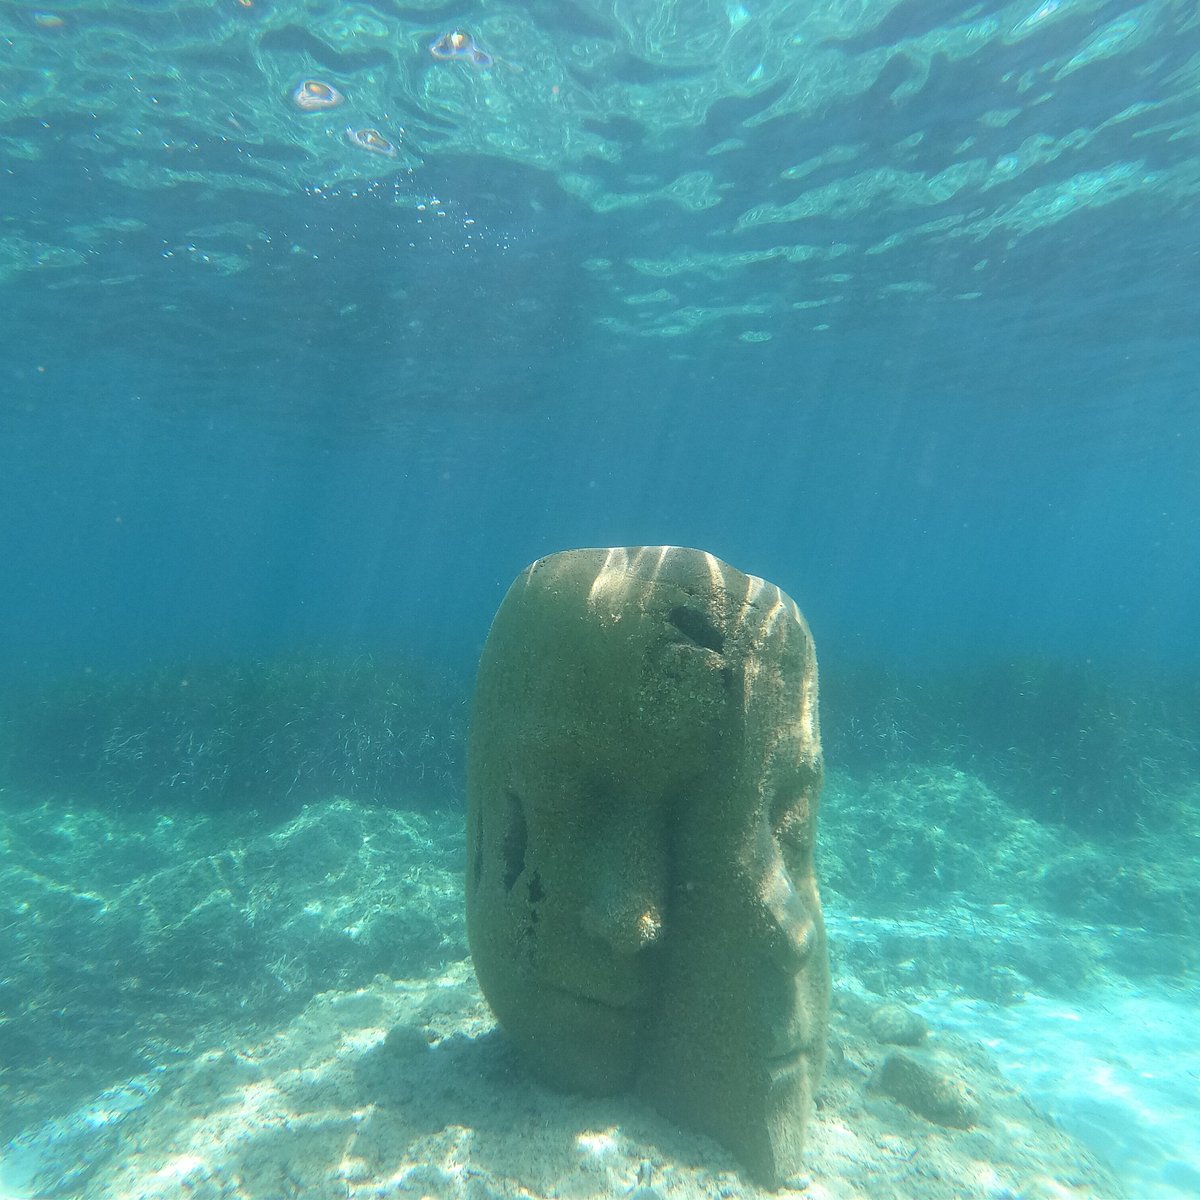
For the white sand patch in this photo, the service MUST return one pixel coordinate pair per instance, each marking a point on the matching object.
(1119, 1069)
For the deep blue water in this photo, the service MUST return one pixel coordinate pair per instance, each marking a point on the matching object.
(913, 525)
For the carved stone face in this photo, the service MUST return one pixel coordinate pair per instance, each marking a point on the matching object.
(644, 771)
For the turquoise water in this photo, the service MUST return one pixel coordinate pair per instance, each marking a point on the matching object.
(320, 322)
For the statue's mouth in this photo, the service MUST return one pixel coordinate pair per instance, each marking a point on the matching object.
(599, 1002)
(797, 1058)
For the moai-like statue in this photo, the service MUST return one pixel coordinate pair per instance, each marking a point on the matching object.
(643, 775)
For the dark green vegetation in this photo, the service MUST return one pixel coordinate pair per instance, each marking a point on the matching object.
(259, 733)
(1070, 743)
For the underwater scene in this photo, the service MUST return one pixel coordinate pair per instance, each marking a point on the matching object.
(422, 427)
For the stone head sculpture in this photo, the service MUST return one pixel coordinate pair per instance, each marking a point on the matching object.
(643, 775)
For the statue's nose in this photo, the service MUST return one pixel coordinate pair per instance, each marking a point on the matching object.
(793, 921)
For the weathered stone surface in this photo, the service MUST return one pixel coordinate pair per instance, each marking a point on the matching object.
(643, 776)
(923, 1089)
(898, 1026)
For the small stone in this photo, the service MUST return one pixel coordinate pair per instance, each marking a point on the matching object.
(406, 1041)
(896, 1025)
(925, 1091)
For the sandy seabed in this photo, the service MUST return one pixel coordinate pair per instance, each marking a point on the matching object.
(406, 1088)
